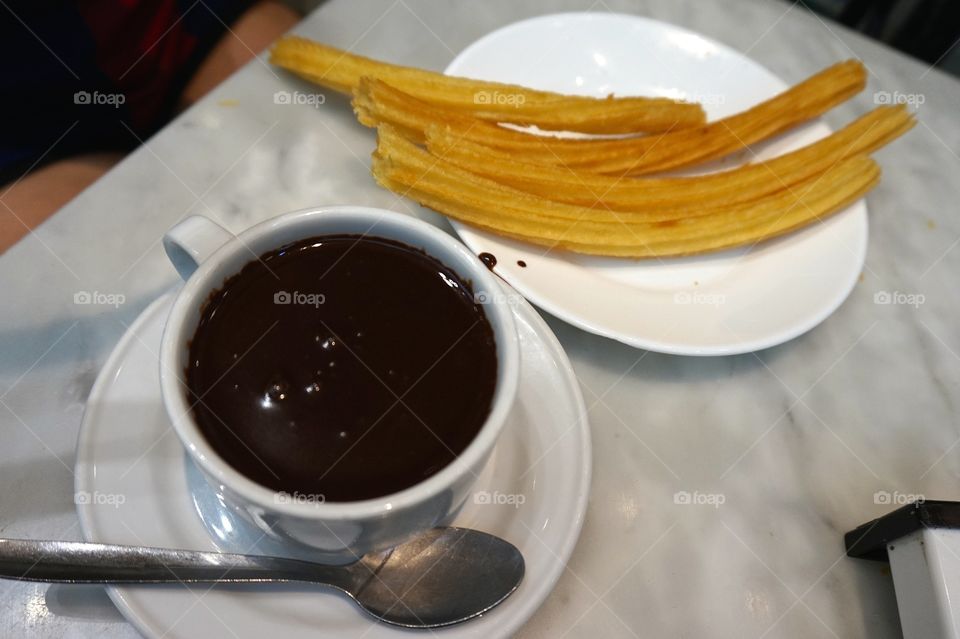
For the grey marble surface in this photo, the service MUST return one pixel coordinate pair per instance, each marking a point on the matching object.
(797, 439)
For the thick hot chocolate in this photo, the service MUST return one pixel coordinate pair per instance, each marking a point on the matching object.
(342, 368)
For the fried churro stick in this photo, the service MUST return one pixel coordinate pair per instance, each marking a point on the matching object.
(491, 101)
(670, 196)
(376, 102)
(408, 170)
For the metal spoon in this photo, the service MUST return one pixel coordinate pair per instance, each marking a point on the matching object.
(441, 577)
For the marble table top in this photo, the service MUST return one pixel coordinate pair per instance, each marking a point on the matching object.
(800, 443)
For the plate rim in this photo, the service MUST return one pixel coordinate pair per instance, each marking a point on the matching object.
(81, 473)
(826, 308)
(539, 592)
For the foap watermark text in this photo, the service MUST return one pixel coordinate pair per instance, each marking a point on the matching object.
(315, 100)
(297, 497)
(96, 98)
(897, 97)
(99, 298)
(697, 498)
(496, 498)
(899, 298)
(698, 298)
(297, 298)
(499, 98)
(96, 498)
(896, 498)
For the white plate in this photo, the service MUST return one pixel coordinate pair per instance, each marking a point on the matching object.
(132, 479)
(731, 302)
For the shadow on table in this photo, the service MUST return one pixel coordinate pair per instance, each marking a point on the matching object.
(22, 502)
(873, 585)
(70, 337)
(81, 603)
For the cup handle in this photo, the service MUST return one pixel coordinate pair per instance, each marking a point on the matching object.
(192, 241)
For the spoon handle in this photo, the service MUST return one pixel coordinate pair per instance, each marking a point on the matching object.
(79, 562)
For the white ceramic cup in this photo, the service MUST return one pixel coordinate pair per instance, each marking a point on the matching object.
(206, 255)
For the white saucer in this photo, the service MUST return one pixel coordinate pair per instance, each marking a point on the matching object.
(731, 302)
(133, 487)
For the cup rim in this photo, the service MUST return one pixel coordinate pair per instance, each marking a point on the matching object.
(197, 287)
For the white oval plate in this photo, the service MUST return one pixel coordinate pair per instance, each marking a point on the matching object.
(132, 482)
(736, 301)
